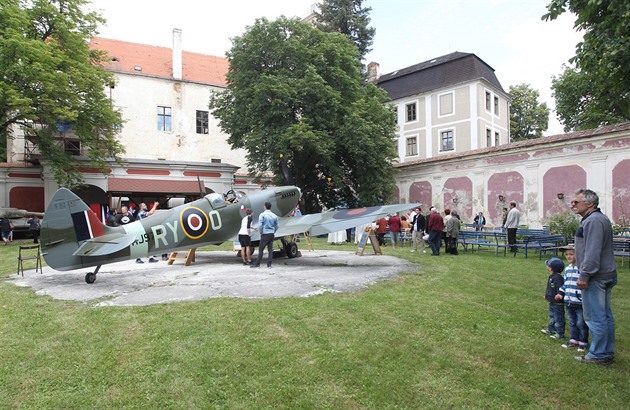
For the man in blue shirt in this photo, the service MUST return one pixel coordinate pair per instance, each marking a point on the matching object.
(267, 225)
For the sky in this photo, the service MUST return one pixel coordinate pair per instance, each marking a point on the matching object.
(508, 35)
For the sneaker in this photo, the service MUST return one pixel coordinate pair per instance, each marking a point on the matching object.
(139, 261)
(569, 345)
(152, 260)
(581, 348)
(556, 336)
(545, 331)
(603, 362)
(412, 251)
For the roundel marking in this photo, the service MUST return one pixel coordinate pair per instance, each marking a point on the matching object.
(353, 213)
(194, 222)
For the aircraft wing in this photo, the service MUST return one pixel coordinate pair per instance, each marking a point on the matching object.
(105, 244)
(337, 220)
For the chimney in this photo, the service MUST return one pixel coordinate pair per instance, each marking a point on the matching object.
(177, 54)
(373, 73)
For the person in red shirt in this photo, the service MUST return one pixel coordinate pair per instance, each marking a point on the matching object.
(394, 229)
(381, 230)
(435, 226)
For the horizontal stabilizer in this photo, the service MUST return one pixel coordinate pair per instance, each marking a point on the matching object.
(105, 244)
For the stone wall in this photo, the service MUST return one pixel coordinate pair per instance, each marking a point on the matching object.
(540, 175)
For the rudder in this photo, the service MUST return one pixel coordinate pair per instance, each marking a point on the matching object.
(67, 222)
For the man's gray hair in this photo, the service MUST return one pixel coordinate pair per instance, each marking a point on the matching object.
(590, 197)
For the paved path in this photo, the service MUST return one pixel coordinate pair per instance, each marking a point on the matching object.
(216, 274)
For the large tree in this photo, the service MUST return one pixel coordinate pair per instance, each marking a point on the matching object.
(596, 89)
(297, 103)
(50, 79)
(347, 17)
(528, 117)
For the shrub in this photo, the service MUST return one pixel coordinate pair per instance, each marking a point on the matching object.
(565, 224)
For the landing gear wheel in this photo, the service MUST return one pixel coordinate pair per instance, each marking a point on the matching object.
(90, 277)
(291, 250)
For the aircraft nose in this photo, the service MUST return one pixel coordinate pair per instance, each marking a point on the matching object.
(287, 198)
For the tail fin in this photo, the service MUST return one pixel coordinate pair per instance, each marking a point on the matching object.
(68, 221)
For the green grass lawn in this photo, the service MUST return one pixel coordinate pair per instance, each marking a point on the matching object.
(459, 332)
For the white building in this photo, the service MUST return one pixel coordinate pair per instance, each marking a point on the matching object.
(174, 147)
(452, 103)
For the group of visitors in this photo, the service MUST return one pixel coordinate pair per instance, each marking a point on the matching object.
(126, 216)
(6, 228)
(585, 288)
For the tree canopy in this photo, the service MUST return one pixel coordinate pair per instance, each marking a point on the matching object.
(297, 103)
(528, 117)
(595, 89)
(49, 78)
(347, 17)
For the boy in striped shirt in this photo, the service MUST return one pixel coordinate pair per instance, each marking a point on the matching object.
(573, 301)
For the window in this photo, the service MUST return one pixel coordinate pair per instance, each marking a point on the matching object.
(72, 147)
(411, 112)
(497, 140)
(496, 105)
(488, 138)
(164, 118)
(447, 140)
(412, 146)
(488, 97)
(396, 114)
(202, 122)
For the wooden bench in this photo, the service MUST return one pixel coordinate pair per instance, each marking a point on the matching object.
(540, 244)
(550, 243)
(621, 249)
(476, 239)
(526, 232)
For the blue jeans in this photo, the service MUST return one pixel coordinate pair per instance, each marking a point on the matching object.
(435, 241)
(599, 318)
(556, 318)
(577, 325)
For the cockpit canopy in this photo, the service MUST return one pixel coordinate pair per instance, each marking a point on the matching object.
(217, 201)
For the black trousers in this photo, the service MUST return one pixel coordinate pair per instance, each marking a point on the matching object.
(266, 240)
(511, 238)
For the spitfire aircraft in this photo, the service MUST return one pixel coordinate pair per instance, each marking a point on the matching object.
(73, 237)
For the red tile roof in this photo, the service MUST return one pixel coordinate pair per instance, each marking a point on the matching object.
(154, 186)
(157, 61)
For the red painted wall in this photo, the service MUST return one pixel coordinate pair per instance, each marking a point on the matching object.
(621, 192)
(28, 198)
(511, 186)
(421, 192)
(396, 195)
(565, 180)
(461, 189)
